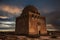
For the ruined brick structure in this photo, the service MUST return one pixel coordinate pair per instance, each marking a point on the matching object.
(43, 29)
(30, 22)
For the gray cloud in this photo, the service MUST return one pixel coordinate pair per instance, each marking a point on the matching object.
(10, 16)
(53, 18)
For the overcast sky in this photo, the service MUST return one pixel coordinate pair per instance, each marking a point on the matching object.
(9, 9)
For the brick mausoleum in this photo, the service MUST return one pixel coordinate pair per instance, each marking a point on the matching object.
(29, 26)
(30, 22)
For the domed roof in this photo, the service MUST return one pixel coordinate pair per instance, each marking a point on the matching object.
(30, 8)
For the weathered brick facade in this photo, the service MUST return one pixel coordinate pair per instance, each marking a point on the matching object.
(30, 22)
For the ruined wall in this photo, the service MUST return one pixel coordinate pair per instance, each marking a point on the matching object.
(33, 20)
(30, 22)
(21, 26)
(43, 30)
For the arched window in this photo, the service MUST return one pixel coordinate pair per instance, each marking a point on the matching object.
(32, 15)
(35, 16)
(38, 17)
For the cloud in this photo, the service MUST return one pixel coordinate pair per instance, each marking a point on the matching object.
(51, 27)
(7, 24)
(3, 17)
(10, 9)
(53, 18)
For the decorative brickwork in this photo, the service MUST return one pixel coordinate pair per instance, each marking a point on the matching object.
(30, 22)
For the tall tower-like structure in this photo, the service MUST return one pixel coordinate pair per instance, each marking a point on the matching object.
(29, 22)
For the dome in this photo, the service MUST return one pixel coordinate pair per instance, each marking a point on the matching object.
(30, 8)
